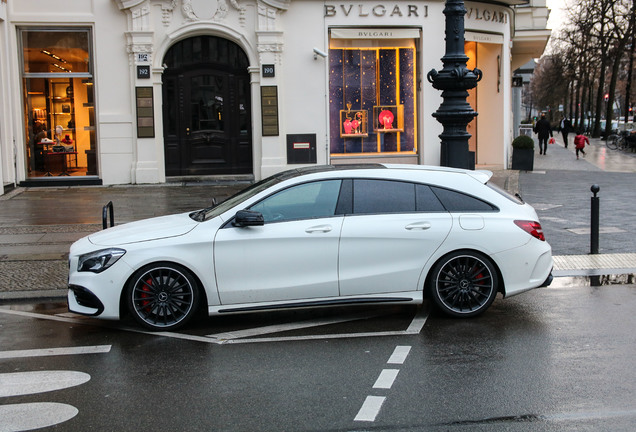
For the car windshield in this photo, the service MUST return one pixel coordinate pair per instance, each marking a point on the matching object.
(212, 212)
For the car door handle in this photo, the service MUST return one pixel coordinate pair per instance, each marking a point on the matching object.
(319, 229)
(418, 226)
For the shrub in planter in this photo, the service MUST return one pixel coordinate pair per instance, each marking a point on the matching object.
(523, 153)
(523, 142)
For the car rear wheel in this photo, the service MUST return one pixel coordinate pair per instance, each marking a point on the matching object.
(163, 296)
(464, 284)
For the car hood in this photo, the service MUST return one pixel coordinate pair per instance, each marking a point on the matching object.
(144, 230)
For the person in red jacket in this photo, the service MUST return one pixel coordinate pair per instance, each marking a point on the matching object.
(579, 143)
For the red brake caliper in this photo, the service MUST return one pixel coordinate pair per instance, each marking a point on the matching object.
(146, 290)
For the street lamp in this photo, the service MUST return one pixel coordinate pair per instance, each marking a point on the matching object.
(455, 79)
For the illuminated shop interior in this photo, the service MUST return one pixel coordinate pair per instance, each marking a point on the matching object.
(372, 97)
(59, 109)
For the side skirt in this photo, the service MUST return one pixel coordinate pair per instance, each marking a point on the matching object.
(404, 298)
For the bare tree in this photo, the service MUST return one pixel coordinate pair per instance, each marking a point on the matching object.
(587, 57)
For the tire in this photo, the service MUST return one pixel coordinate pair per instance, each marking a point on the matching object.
(612, 142)
(163, 296)
(463, 284)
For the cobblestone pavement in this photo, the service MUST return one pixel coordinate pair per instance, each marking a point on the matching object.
(37, 225)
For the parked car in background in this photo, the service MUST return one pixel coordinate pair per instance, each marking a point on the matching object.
(316, 237)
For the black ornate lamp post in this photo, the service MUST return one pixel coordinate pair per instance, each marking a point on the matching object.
(454, 80)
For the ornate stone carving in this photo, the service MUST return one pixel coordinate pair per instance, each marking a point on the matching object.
(190, 10)
(167, 11)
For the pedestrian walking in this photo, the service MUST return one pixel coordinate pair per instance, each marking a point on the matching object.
(579, 143)
(565, 126)
(544, 131)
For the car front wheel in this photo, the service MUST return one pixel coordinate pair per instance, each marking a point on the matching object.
(163, 296)
(464, 284)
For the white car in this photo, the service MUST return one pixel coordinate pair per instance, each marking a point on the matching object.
(319, 236)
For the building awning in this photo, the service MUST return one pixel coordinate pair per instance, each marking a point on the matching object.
(528, 44)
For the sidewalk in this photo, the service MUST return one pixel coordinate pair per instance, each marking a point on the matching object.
(37, 225)
(559, 189)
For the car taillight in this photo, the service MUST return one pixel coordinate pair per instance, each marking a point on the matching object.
(531, 227)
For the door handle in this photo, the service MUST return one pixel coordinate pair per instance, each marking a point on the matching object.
(418, 226)
(319, 229)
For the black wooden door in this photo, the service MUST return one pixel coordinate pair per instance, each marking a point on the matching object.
(207, 122)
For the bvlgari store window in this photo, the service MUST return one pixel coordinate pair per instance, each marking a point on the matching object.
(59, 108)
(372, 92)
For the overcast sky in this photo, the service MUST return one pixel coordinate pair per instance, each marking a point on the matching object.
(556, 13)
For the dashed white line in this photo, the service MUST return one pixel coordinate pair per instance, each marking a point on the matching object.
(386, 379)
(370, 408)
(399, 354)
(372, 404)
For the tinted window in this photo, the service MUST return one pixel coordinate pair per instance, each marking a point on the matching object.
(305, 201)
(426, 200)
(383, 196)
(455, 201)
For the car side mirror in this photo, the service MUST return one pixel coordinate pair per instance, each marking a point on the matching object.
(245, 218)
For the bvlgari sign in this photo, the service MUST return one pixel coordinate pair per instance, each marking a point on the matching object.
(408, 11)
(379, 10)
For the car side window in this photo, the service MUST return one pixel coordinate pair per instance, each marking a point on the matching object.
(304, 201)
(426, 200)
(455, 201)
(383, 196)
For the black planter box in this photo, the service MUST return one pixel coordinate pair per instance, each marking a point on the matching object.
(522, 159)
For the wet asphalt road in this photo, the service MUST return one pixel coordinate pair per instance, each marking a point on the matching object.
(555, 359)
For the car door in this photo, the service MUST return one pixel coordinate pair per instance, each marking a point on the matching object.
(293, 256)
(394, 229)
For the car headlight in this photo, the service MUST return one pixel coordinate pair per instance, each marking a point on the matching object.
(100, 260)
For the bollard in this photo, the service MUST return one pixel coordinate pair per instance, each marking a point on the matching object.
(594, 223)
(105, 210)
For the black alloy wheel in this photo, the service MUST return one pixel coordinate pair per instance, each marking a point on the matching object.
(163, 296)
(464, 284)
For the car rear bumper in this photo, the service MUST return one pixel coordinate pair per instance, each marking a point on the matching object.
(548, 281)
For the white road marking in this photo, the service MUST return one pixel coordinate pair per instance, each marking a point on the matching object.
(42, 316)
(370, 408)
(288, 327)
(419, 320)
(414, 328)
(399, 354)
(24, 383)
(316, 337)
(386, 379)
(96, 349)
(29, 416)
(372, 404)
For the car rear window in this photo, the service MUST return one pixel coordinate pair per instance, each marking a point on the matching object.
(514, 198)
(455, 201)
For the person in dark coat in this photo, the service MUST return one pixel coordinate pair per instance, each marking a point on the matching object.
(565, 127)
(544, 131)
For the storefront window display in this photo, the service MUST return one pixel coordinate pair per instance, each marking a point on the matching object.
(372, 100)
(59, 111)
